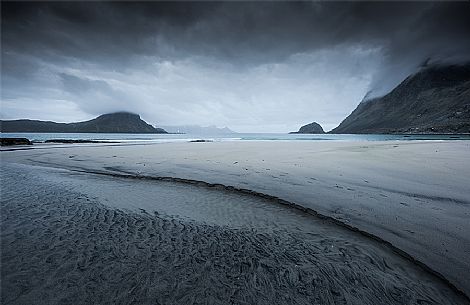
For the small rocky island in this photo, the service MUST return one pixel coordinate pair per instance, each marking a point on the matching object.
(118, 122)
(312, 128)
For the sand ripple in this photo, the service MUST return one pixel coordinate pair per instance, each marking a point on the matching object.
(63, 246)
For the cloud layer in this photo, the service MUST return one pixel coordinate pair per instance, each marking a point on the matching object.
(266, 66)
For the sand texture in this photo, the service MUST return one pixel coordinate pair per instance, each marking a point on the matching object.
(61, 246)
(414, 195)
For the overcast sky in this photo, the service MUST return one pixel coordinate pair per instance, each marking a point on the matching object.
(254, 67)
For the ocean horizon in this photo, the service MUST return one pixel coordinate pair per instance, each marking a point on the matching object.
(163, 138)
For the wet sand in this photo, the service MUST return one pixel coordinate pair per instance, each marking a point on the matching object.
(67, 239)
(410, 194)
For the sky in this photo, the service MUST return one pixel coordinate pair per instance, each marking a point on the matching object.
(251, 66)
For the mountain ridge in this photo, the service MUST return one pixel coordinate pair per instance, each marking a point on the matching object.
(436, 99)
(117, 122)
(196, 129)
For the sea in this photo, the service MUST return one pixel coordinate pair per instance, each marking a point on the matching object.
(161, 138)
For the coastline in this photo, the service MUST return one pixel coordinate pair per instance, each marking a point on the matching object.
(412, 194)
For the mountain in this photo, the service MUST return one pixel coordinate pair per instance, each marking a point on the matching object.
(199, 130)
(313, 127)
(119, 122)
(434, 100)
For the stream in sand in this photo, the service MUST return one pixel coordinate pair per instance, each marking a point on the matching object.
(82, 238)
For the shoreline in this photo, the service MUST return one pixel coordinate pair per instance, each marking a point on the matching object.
(70, 226)
(292, 205)
(220, 171)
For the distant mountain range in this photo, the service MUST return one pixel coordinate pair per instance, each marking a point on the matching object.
(119, 122)
(434, 100)
(199, 130)
(313, 128)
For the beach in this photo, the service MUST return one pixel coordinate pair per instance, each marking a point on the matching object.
(238, 222)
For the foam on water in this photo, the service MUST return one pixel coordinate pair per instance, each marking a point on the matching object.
(163, 138)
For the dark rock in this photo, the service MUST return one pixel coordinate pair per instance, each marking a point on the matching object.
(14, 141)
(119, 122)
(313, 128)
(199, 141)
(434, 100)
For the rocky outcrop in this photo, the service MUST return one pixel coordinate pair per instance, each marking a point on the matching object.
(434, 100)
(119, 122)
(14, 141)
(313, 128)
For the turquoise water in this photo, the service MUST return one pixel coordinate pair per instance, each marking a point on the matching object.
(124, 137)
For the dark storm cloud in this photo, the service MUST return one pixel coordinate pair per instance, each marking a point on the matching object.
(83, 44)
(228, 29)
